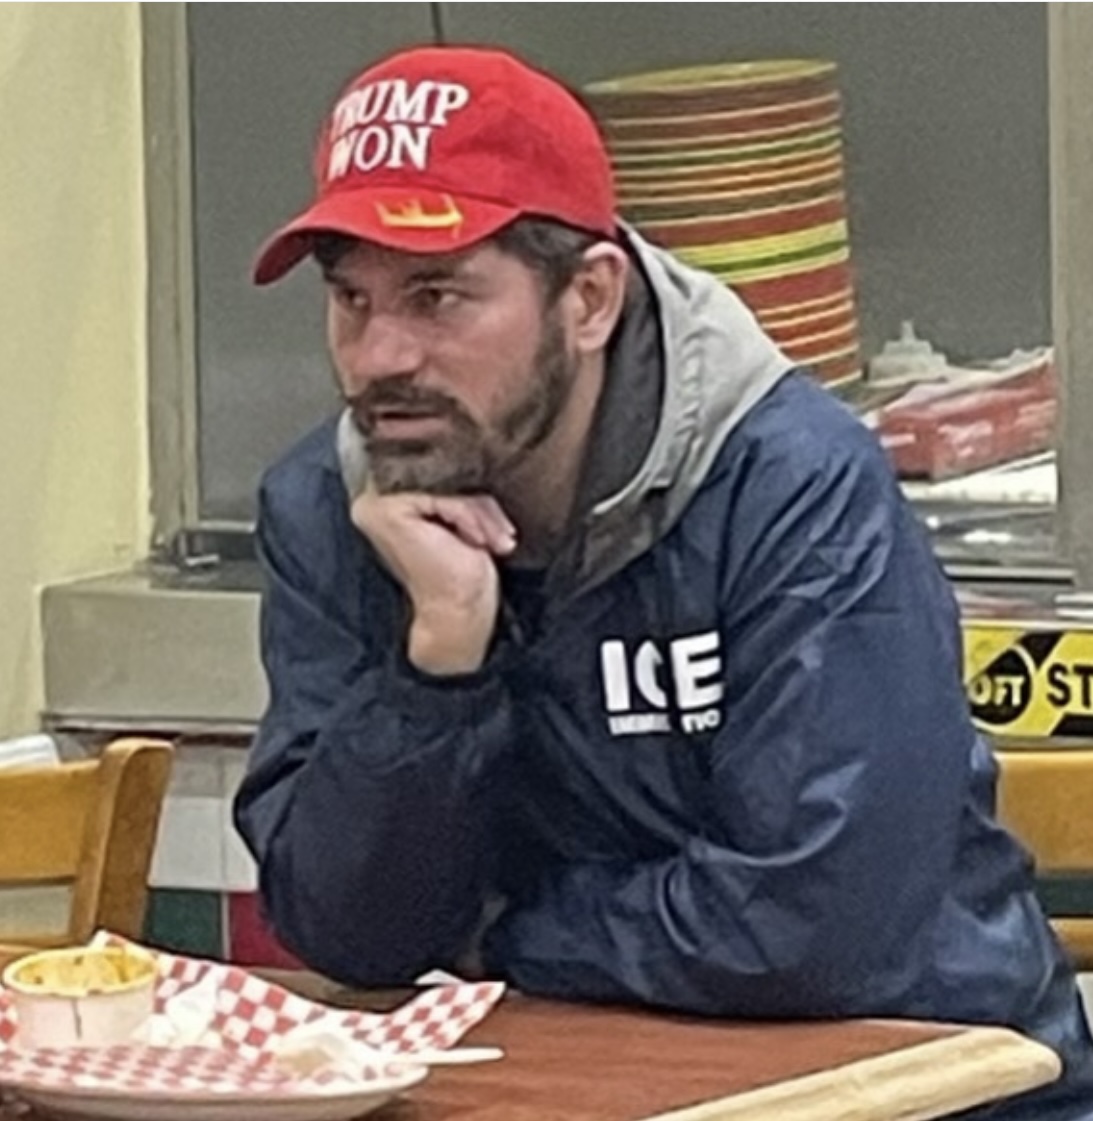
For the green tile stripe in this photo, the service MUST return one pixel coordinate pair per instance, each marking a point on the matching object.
(1070, 895)
(1066, 896)
(186, 922)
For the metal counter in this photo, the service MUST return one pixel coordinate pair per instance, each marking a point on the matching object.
(172, 651)
(155, 649)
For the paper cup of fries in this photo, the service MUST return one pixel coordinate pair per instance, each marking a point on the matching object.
(81, 997)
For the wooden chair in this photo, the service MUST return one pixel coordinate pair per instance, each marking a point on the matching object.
(1045, 797)
(90, 826)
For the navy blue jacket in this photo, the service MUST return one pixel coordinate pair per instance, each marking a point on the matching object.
(719, 760)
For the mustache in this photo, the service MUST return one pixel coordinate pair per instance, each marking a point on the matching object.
(394, 394)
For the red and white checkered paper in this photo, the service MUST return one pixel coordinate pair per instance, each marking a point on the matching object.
(251, 1017)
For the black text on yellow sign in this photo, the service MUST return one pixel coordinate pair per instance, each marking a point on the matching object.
(1030, 682)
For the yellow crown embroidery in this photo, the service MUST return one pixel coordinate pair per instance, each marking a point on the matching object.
(414, 215)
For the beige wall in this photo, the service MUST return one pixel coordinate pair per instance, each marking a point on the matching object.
(73, 462)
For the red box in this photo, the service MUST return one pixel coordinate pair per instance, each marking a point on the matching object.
(971, 430)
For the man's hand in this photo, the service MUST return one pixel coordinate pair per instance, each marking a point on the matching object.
(442, 551)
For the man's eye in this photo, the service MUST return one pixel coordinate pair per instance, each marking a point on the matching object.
(431, 300)
(350, 298)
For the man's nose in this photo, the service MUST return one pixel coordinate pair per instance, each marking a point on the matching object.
(387, 347)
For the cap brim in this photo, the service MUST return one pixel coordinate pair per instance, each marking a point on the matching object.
(414, 221)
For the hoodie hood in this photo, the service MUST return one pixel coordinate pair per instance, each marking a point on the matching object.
(714, 363)
(687, 365)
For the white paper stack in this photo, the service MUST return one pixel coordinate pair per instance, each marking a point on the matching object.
(28, 751)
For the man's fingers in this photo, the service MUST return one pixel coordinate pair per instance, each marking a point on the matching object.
(479, 521)
(502, 531)
(462, 518)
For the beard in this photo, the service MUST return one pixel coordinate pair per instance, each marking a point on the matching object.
(469, 457)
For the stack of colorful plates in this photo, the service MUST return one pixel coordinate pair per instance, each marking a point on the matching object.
(738, 169)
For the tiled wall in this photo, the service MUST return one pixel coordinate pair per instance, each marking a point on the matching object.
(198, 847)
(203, 880)
(226, 925)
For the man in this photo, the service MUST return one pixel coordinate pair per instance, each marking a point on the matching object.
(597, 636)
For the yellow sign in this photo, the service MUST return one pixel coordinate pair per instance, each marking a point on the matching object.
(1035, 682)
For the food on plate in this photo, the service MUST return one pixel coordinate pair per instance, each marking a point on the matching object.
(88, 996)
(80, 972)
(305, 1061)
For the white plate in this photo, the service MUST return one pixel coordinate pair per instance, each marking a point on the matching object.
(109, 1105)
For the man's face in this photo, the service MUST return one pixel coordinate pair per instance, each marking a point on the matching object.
(453, 366)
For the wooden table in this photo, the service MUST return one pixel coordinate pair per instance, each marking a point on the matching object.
(567, 1062)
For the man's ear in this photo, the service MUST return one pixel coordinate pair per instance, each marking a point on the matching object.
(595, 296)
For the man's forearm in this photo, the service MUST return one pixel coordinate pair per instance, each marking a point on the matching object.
(374, 852)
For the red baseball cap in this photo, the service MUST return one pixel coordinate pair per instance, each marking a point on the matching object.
(435, 148)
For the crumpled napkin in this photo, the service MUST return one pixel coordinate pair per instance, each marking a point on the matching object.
(187, 1018)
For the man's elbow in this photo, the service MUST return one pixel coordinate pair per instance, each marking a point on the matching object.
(343, 930)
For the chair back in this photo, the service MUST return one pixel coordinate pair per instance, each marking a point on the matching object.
(1045, 797)
(91, 827)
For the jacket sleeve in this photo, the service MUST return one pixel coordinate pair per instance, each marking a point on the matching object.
(836, 780)
(367, 801)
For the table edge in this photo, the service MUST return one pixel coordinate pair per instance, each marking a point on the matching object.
(969, 1067)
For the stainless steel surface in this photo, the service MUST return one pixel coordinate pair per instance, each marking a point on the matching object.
(1008, 539)
(154, 648)
(1046, 574)
(177, 651)
(168, 179)
(1070, 41)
